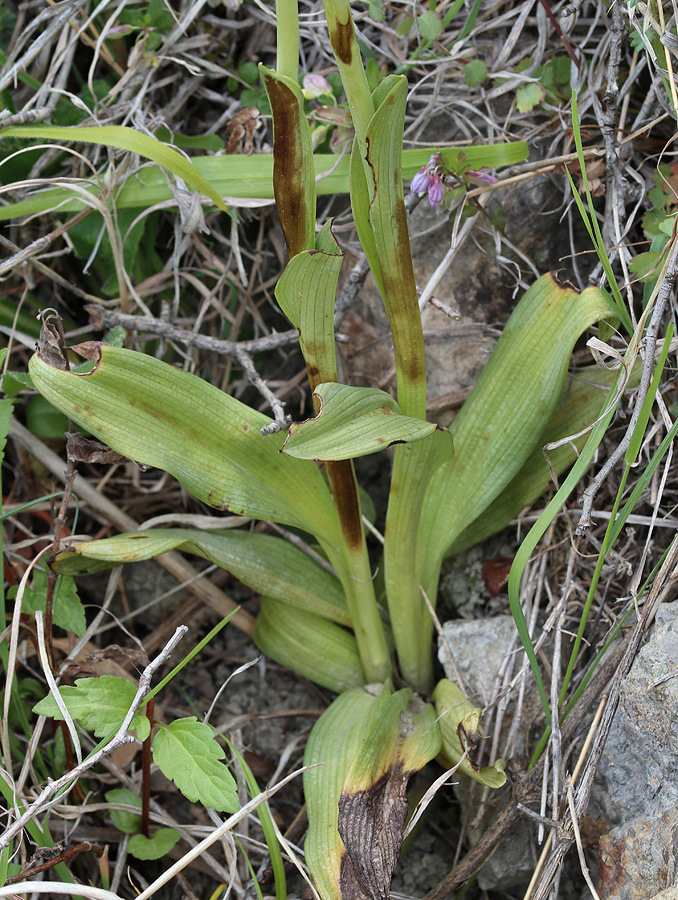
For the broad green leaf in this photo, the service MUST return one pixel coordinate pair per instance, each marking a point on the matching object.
(44, 421)
(155, 847)
(352, 422)
(309, 645)
(98, 705)
(584, 400)
(187, 752)
(127, 822)
(67, 611)
(508, 409)
(332, 744)
(124, 139)
(306, 292)
(163, 417)
(459, 723)
(389, 224)
(293, 174)
(238, 176)
(267, 564)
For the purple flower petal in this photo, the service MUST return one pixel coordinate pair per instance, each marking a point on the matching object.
(421, 180)
(436, 192)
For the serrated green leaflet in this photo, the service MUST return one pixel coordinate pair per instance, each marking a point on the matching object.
(187, 753)
(236, 176)
(167, 418)
(312, 646)
(68, 612)
(124, 139)
(267, 564)
(352, 422)
(98, 704)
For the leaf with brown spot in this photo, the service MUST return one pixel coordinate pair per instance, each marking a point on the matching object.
(371, 745)
(459, 724)
(293, 170)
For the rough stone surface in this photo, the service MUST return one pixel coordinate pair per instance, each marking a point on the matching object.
(636, 791)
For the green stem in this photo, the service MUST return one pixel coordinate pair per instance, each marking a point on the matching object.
(410, 619)
(350, 65)
(287, 29)
(357, 582)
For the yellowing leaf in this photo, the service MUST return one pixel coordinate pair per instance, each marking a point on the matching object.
(163, 417)
(267, 564)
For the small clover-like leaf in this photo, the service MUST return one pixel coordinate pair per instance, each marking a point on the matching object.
(127, 822)
(187, 753)
(475, 72)
(98, 704)
(528, 96)
(153, 848)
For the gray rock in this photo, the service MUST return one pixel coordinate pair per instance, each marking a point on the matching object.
(636, 791)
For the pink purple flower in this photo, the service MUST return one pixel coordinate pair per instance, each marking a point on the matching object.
(421, 180)
(316, 86)
(481, 177)
(436, 192)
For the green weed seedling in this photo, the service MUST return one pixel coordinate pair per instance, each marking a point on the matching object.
(449, 487)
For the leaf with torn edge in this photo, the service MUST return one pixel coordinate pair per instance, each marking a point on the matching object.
(352, 422)
(98, 705)
(187, 753)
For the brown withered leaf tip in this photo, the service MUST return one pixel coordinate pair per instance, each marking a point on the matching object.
(87, 450)
(371, 825)
(49, 347)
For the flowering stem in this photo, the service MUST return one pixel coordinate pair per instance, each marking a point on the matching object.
(287, 32)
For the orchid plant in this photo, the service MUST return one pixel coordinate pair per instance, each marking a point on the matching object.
(320, 614)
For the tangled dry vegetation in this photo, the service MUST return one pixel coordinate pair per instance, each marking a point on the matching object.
(194, 287)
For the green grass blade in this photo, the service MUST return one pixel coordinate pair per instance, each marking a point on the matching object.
(124, 139)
